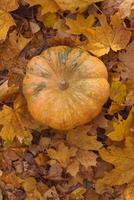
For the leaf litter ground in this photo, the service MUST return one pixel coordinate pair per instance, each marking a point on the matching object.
(93, 161)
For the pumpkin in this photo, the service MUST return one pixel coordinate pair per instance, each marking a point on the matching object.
(75, 5)
(65, 87)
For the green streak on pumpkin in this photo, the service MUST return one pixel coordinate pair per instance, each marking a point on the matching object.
(63, 56)
(74, 64)
(28, 85)
(39, 88)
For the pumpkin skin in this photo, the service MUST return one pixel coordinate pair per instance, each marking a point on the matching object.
(65, 87)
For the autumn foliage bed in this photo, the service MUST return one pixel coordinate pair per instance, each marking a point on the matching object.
(93, 161)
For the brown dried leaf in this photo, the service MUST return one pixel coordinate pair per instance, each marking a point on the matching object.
(78, 137)
(126, 58)
(86, 158)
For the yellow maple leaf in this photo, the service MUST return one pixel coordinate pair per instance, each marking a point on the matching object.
(78, 137)
(129, 192)
(62, 154)
(46, 5)
(118, 92)
(6, 21)
(16, 122)
(75, 5)
(121, 127)
(105, 36)
(80, 23)
(9, 5)
(49, 19)
(123, 172)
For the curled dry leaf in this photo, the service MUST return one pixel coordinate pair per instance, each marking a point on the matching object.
(104, 37)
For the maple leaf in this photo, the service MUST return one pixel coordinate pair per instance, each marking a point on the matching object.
(16, 122)
(80, 23)
(129, 192)
(9, 5)
(49, 19)
(46, 5)
(62, 154)
(78, 137)
(18, 41)
(86, 158)
(118, 92)
(6, 21)
(121, 127)
(123, 172)
(125, 7)
(75, 5)
(126, 58)
(73, 167)
(104, 37)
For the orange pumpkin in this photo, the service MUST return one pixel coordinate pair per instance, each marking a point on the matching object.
(65, 87)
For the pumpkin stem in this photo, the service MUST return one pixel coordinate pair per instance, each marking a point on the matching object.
(63, 85)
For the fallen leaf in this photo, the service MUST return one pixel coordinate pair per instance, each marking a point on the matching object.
(86, 158)
(62, 154)
(118, 92)
(78, 137)
(6, 21)
(73, 167)
(12, 120)
(125, 7)
(123, 161)
(121, 127)
(7, 92)
(18, 41)
(109, 7)
(46, 5)
(8, 5)
(126, 58)
(104, 37)
(51, 194)
(130, 93)
(49, 19)
(129, 192)
(75, 5)
(78, 193)
(79, 24)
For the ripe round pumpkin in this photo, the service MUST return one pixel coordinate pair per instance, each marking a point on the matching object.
(65, 87)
